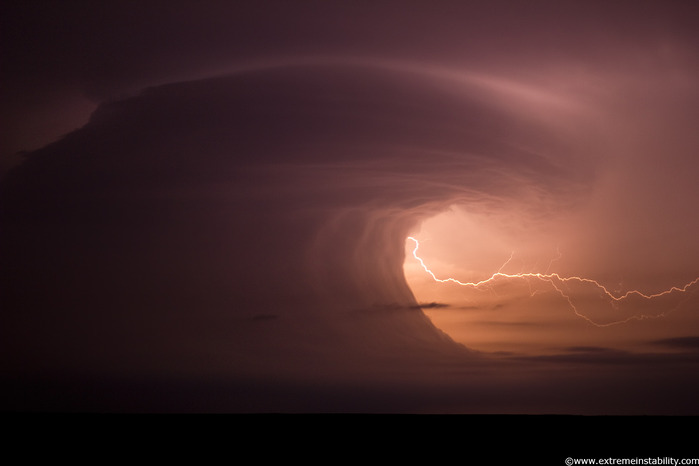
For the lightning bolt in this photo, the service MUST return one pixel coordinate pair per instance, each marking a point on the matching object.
(555, 280)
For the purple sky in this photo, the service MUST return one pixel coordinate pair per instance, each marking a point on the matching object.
(218, 195)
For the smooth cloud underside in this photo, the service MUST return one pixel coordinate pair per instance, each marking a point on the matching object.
(254, 225)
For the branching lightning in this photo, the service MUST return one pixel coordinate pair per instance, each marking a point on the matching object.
(555, 280)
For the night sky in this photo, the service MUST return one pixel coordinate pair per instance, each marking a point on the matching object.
(208, 207)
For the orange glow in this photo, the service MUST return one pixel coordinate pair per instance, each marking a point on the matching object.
(462, 269)
(556, 280)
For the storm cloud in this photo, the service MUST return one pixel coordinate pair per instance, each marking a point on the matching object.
(230, 223)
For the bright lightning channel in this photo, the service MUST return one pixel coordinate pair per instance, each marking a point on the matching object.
(555, 279)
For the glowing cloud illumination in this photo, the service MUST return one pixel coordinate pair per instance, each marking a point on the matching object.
(556, 281)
